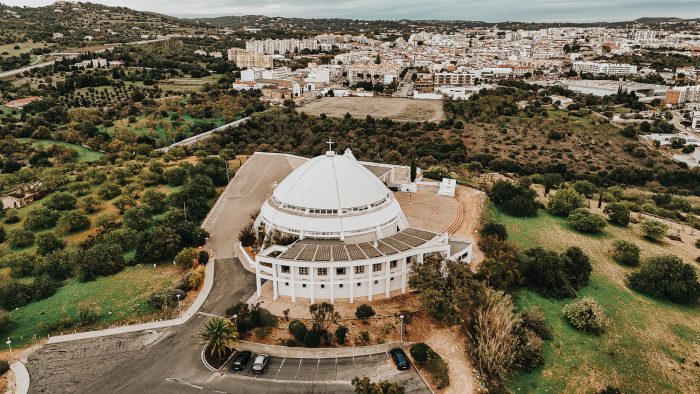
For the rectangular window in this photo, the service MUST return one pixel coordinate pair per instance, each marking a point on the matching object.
(393, 264)
(323, 286)
(340, 271)
(376, 267)
(322, 271)
(359, 285)
(285, 269)
(303, 270)
(340, 285)
(360, 269)
(303, 285)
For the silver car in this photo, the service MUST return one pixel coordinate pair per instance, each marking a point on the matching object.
(260, 363)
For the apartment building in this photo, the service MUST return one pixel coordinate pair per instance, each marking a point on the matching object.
(247, 59)
(454, 79)
(272, 47)
(683, 94)
(604, 68)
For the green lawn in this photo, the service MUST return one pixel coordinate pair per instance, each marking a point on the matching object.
(121, 297)
(84, 154)
(649, 346)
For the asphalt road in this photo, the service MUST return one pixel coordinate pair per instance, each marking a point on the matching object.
(168, 361)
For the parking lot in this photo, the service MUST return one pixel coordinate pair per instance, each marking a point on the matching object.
(337, 371)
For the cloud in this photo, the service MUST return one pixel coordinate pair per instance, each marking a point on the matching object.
(487, 10)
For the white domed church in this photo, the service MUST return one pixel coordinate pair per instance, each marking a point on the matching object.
(334, 230)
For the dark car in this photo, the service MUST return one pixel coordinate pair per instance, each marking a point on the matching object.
(400, 358)
(260, 363)
(240, 360)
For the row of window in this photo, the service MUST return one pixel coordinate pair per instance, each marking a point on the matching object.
(340, 285)
(360, 269)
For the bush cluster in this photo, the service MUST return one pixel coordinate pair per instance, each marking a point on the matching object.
(425, 356)
(667, 277)
(555, 275)
(625, 253)
(585, 315)
(515, 199)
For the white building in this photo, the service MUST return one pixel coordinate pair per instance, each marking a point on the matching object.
(603, 68)
(350, 236)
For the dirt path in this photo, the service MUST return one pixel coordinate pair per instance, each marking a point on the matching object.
(474, 204)
(449, 344)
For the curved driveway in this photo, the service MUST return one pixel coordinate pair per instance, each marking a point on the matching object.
(166, 360)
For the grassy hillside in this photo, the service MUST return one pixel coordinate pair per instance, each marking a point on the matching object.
(650, 345)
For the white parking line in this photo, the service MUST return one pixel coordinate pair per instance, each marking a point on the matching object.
(318, 362)
(298, 368)
(278, 369)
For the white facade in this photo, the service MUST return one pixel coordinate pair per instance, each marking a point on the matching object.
(350, 236)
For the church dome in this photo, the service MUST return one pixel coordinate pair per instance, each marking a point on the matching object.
(331, 182)
(332, 196)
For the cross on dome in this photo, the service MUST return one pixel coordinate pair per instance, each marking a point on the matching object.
(330, 143)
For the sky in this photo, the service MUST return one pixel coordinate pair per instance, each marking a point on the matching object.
(484, 10)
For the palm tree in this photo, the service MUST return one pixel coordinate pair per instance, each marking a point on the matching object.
(218, 335)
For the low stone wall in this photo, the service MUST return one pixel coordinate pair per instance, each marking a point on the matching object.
(302, 352)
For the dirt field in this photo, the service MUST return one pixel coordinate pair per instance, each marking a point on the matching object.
(400, 109)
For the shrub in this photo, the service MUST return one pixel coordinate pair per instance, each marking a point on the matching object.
(617, 214)
(290, 342)
(494, 229)
(247, 235)
(668, 277)
(88, 312)
(108, 191)
(439, 371)
(500, 274)
(514, 198)
(162, 299)
(61, 201)
(187, 257)
(420, 352)
(2, 234)
(298, 329)
(196, 278)
(364, 337)
(535, 321)
(48, 243)
(20, 238)
(263, 332)
(40, 218)
(529, 353)
(312, 338)
(4, 367)
(6, 320)
(654, 230)
(564, 201)
(543, 271)
(625, 253)
(263, 317)
(577, 266)
(12, 217)
(584, 187)
(365, 386)
(72, 221)
(203, 257)
(585, 221)
(364, 312)
(697, 243)
(341, 334)
(585, 315)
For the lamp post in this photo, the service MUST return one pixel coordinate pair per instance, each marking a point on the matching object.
(178, 301)
(235, 317)
(9, 345)
(401, 317)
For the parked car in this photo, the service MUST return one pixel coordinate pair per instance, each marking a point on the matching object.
(260, 363)
(400, 358)
(240, 360)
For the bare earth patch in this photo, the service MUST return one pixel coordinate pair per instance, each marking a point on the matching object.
(400, 109)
